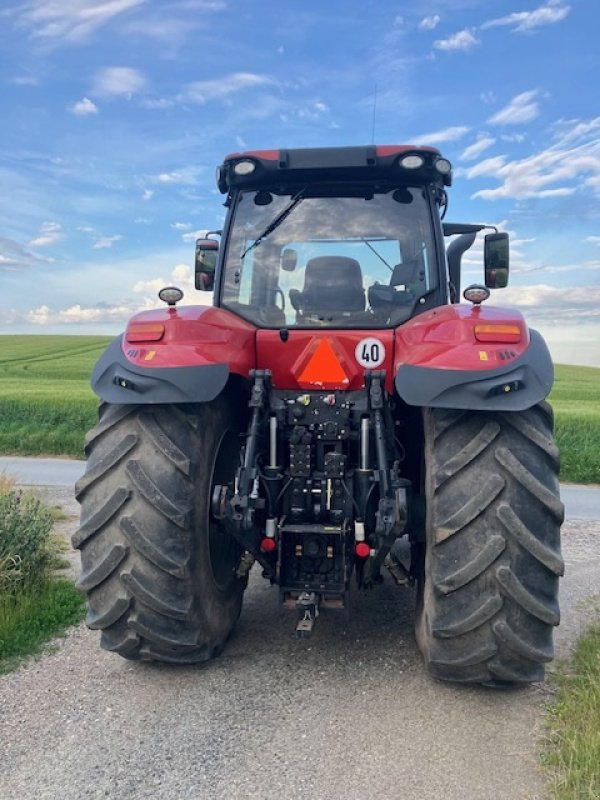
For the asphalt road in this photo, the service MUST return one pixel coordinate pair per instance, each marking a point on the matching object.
(581, 502)
(347, 714)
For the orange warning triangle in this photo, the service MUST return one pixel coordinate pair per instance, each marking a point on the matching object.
(324, 367)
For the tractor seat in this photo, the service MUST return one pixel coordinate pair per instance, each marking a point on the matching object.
(331, 283)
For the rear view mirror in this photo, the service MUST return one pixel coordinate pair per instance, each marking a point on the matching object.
(496, 260)
(206, 262)
(289, 259)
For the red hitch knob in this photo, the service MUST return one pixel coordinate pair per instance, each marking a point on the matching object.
(362, 550)
(268, 545)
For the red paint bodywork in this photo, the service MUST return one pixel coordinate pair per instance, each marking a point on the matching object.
(194, 336)
(287, 359)
(442, 338)
(381, 150)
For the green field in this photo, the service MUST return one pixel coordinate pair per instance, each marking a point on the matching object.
(46, 405)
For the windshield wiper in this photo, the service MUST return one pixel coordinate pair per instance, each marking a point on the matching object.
(275, 223)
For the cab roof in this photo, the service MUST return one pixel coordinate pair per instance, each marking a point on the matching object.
(393, 164)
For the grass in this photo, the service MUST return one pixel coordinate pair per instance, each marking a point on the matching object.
(30, 618)
(47, 406)
(576, 401)
(46, 403)
(573, 723)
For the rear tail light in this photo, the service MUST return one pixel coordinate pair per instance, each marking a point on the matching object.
(362, 550)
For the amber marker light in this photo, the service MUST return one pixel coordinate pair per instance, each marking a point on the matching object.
(491, 332)
(145, 332)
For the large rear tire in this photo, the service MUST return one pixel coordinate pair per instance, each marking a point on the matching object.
(158, 571)
(488, 597)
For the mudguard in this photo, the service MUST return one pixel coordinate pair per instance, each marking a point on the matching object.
(198, 349)
(442, 365)
(115, 380)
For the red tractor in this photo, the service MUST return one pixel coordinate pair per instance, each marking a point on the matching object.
(335, 414)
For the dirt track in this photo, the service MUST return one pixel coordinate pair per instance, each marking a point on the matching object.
(349, 714)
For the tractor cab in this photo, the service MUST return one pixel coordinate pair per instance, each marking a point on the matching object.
(331, 239)
(344, 238)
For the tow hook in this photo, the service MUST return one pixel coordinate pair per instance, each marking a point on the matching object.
(307, 606)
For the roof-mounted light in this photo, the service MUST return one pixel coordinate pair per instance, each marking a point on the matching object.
(443, 166)
(170, 295)
(412, 161)
(245, 167)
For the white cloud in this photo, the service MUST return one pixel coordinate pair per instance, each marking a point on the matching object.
(521, 109)
(181, 226)
(571, 163)
(513, 137)
(72, 21)
(185, 176)
(521, 21)
(147, 195)
(477, 148)
(445, 135)
(592, 239)
(104, 242)
(77, 314)
(313, 110)
(119, 313)
(204, 91)
(13, 254)
(25, 80)
(170, 177)
(489, 166)
(576, 131)
(429, 23)
(157, 103)
(556, 302)
(119, 82)
(191, 236)
(83, 108)
(462, 40)
(50, 233)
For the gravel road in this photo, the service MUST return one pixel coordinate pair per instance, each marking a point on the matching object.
(348, 714)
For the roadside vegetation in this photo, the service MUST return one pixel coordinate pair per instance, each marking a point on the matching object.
(573, 723)
(35, 605)
(47, 406)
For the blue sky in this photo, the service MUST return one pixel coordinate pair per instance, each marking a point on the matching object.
(115, 113)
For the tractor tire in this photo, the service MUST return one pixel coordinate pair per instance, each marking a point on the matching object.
(488, 594)
(158, 571)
